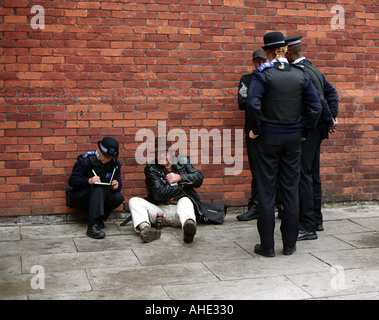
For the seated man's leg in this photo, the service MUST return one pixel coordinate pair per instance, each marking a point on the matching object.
(186, 213)
(144, 214)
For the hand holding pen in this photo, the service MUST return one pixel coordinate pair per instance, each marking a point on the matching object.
(94, 179)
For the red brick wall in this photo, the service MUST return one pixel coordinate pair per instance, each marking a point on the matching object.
(113, 67)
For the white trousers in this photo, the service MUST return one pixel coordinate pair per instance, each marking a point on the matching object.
(175, 215)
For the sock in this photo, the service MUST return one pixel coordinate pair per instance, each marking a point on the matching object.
(143, 225)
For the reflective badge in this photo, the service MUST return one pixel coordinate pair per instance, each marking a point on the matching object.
(108, 175)
(243, 90)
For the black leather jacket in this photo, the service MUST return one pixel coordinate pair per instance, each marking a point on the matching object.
(160, 191)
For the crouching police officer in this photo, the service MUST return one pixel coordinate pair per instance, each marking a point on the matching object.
(96, 183)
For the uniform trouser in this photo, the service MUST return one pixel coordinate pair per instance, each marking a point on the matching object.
(175, 215)
(253, 201)
(277, 157)
(98, 201)
(310, 183)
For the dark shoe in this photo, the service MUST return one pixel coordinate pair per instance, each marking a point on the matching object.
(306, 235)
(267, 252)
(189, 230)
(280, 211)
(248, 215)
(95, 232)
(289, 250)
(319, 227)
(150, 234)
(101, 224)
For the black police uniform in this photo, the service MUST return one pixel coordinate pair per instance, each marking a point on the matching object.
(253, 200)
(98, 200)
(310, 182)
(282, 107)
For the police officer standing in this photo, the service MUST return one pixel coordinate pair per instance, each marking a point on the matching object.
(283, 107)
(310, 183)
(96, 183)
(259, 57)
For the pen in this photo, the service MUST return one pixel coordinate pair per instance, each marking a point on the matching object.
(94, 173)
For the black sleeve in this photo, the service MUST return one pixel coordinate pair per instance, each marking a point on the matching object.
(158, 187)
(79, 175)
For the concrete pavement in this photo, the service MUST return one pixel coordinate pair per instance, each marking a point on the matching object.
(58, 261)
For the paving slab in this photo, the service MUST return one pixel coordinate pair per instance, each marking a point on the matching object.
(58, 262)
(339, 282)
(20, 286)
(258, 267)
(148, 293)
(10, 233)
(266, 288)
(53, 231)
(134, 277)
(350, 259)
(36, 247)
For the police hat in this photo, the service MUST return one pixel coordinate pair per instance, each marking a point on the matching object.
(273, 40)
(259, 54)
(108, 147)
(293, 40)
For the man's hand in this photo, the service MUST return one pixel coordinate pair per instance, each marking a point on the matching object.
(94, 179)
(252, 135)
(114, 185)
(173, 178)
(332, 129)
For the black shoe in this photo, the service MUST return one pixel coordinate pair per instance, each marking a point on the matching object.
(289, 250)
(267, 252)
(101, 224)
(319, 227)
(189, 230)
(306, 235)
(248, 215)
(280, 211)
(95, 232)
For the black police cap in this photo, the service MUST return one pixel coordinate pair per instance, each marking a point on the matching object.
(273, 40)
(293, 40)
(108, 147)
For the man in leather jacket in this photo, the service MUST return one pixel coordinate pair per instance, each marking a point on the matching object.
(170, 182)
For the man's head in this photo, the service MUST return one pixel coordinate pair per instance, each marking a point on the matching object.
(108, 148)
(294, 51)
(259, 57)
(163, 153)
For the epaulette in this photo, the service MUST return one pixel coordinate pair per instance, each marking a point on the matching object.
(297, 65)
(265, 65)
(88, 153)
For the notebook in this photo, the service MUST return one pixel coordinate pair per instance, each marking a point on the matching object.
(105, 183)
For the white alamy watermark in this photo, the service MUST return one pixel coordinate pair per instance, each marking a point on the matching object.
(38, 21)
(340, 17)
(38, 281)
(199, 140)
(338, 281)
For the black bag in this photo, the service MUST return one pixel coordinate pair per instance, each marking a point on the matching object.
(212, 213)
